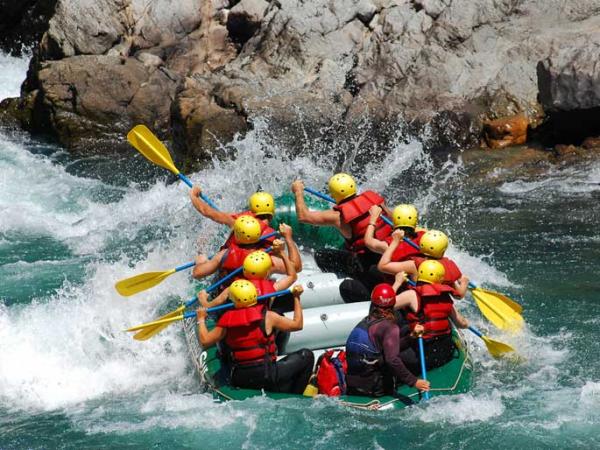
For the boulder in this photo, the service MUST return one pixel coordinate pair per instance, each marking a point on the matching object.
(87, 98)
(208, 69)
(569, 79)
(505, 132)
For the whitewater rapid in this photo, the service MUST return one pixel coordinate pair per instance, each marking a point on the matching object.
(67, 237)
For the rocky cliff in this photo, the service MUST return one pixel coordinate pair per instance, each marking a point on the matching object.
(200, 71)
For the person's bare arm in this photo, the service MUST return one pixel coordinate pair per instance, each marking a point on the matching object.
(399, 280)
(406, 299)
(386, 264)
(209, 212)
(282, 323)
(205, 267)
(208, 338)
(286, 231)
(290, 270)
(459, 320)
(218, 300)
(305, 215)
(461, 287)
(373, 244)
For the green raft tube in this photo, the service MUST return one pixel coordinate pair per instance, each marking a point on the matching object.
(325, 326)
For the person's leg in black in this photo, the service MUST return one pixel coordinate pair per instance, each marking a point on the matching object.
(293, 372)
(249, 377)
(335, 260)
(410, 358)
(439, 351)
(353, 291)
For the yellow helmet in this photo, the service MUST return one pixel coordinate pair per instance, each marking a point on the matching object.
(262, 203)
(434, 243)
(431, 271)
(405, 216)
(246, 230)
(243, 293)
(341, 186)
(257, 265)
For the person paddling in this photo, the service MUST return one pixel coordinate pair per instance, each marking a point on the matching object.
(405, 219)
(249, 332)
(433, 244)
(246, 239)
(261, 205)
(372, 350)
(429, 304)
(257, 267)
(350, 216)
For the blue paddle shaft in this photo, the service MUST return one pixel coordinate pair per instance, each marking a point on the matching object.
(187, 181)
(226, 278)
(260, 298)
(476, 331)
(423, 368)
(316, 193)
(185, 266)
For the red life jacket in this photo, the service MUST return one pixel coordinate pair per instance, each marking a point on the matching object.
(404, 250)
(453, 273)
(433, 311)
(246, 335)
(355, 213)
(265, 229)
(263, 286)
(233, 258)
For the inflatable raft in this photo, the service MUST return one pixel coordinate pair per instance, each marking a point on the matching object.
(327, 324)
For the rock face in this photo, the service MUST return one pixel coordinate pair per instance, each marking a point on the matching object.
(23, 22)
(202, 70)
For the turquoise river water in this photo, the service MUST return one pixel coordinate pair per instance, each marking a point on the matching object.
(70, 227)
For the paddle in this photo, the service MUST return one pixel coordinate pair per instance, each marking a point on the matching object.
(147, 280)
(423, 368)
(500, 310)
(496, 348)
(148, 332)
(190, 314)
(144, 141)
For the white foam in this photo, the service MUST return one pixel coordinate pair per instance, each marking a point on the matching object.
(13, 71)
(462, 408)
(71, 347)
(578, 180)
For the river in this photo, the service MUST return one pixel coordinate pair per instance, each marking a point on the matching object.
(72, 226)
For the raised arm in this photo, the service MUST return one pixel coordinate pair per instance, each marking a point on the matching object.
(208, 338)
(290, 270)
(218, 300)
(304, 215)
(373, 244)
(293, 252)
(209, 212)
(205, 266)
(385, 263)
(282, 323)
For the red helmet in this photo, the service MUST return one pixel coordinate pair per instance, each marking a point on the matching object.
(383, 295)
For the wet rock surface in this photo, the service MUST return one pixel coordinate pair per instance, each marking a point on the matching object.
(199, 71)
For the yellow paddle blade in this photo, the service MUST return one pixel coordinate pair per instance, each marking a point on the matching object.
(503, 298)
(496, 348)
(497, 312)
(159, 322)
(149, 332)
(150, 146)
(139, 283)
